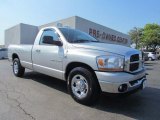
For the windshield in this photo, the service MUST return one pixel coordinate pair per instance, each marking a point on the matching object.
(76, 36)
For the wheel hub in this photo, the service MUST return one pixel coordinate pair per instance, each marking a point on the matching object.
(79, 86)
(15, 65)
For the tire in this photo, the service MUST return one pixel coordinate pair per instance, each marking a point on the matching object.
(83, 86)
(18, 70)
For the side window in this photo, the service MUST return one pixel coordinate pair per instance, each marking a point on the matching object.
(48, 37)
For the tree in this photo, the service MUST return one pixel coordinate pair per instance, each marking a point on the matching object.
(136, 36)
(151, 35)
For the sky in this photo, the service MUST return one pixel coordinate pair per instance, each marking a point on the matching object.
(121, 15)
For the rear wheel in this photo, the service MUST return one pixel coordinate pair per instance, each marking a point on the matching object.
(83, 86)
(18, 70)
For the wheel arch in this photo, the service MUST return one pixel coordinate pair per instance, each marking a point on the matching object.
(14, 55)
(73, 65)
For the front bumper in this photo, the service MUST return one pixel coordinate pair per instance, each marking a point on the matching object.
(111, 81)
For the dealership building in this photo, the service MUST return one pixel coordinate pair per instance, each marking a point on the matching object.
(25, 34)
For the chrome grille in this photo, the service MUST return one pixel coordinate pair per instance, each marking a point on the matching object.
(134, 58)
(134, 67)
(134, 63)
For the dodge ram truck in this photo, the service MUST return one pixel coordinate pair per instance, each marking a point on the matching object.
(88, 66)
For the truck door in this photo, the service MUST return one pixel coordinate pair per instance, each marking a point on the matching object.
(47, 57)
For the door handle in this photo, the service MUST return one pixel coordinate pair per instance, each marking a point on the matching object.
(38, 51)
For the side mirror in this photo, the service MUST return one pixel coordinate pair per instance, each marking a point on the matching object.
(50, 40)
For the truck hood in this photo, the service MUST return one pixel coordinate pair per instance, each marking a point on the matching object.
(118, 49)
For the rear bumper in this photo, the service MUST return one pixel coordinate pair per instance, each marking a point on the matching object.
(111, 81)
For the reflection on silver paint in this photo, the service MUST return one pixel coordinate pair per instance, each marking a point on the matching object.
(43, 67)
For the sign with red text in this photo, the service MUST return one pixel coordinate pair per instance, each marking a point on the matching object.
(106, 36)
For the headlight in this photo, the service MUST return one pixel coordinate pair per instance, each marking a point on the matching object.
(110, 62)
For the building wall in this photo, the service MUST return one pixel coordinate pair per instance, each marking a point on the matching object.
(12, 35)
(28, 33)
(102, 33)
(20, 34)
(65, 22)
(25, 34)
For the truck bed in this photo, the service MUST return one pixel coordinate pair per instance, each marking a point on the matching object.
(24, 52)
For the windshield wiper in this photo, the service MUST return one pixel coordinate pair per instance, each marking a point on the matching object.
(81, 41)
(95, 41)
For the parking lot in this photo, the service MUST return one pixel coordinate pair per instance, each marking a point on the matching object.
(39, 97)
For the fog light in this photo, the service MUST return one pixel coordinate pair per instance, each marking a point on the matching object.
(122, 88)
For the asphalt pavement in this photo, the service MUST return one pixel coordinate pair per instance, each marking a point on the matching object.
(40, 97)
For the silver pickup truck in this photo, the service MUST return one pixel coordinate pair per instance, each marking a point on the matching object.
(86, 64)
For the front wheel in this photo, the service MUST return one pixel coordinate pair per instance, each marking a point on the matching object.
(18, 70)
(83, 86)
